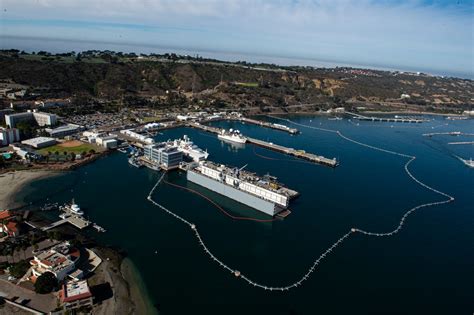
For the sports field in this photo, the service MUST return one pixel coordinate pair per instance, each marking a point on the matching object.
(73, 146)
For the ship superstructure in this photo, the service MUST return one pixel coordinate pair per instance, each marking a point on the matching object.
(232, 135)
(189, 149)
(262, 193)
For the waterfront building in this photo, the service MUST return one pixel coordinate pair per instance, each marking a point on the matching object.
(39, 142)
(4, 112)
(163, 154)
(8, 136)
(110, 143)
(42, 119)
(11, 228)
(60, 260)
(136, 136)
(76, 294)
(62, 131)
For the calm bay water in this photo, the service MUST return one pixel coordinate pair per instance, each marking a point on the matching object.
(427, 268)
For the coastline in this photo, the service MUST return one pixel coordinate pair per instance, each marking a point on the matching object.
(138, 292)
(129, 292)
(12, 182)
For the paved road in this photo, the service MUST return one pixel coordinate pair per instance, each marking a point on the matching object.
(40, 302)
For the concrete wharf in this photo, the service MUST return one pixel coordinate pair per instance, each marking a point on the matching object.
(75, 220)
(275, 147)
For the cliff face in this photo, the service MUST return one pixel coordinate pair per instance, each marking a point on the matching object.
(233, 84)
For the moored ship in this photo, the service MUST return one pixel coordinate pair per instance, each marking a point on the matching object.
(189, 149)
(232, 135)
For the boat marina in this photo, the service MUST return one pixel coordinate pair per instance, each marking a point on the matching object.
(72, 214)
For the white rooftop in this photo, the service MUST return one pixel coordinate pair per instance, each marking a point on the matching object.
(38, 140)
(76, 288)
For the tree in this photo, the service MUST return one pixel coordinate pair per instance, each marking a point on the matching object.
(91, 151)
(19, 269)
(46, 283)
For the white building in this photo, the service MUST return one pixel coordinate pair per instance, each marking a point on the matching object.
(137, 136)
(40, 142)
(62, 131)
(76, 294)
(60, 260)
(42, 119)
(8, 136)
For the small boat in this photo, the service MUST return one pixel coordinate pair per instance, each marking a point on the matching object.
(75, 209)
(134, 162)
(469, 162)
(98, 228)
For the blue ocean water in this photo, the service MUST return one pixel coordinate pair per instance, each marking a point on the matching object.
(426, 268)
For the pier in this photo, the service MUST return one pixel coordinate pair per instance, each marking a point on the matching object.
(462, 142)
(275, 147)
(75, 220)
(266, 124)
(387, 119)
(452, 133)
(297, 153)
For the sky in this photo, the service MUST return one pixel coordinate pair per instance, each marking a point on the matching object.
(421, 35)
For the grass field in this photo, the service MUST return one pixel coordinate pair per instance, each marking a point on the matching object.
(70, 147)
(247, 84)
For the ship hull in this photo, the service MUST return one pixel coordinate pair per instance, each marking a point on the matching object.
(247, 199)
(236, 140)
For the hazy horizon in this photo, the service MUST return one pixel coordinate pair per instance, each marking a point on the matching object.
(53, 45)
(409, 35)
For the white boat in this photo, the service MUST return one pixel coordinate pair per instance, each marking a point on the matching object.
(189, 149)
(232, 135)
(75, 209)
(469, 162)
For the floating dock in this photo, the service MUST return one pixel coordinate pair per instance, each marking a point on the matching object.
(75, 220)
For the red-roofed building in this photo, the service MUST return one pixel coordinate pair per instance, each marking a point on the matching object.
(60, 260)
(12, 228)
(75, 294)
(5, 215)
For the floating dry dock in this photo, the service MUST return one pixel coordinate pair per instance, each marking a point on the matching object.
(275, 147)
(263, 193)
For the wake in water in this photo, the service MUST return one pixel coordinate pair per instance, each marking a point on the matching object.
(338, 242)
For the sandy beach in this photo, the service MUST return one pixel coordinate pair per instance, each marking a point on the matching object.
(129, 296)
(12, 182)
